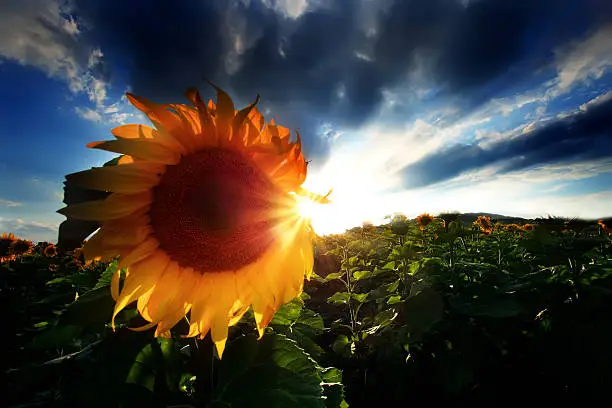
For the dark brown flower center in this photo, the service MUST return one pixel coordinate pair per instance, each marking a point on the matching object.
(214, 211)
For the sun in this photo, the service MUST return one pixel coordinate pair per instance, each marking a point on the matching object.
(349, 203)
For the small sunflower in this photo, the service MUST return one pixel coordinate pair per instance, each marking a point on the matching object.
(50, 251)
(484, 224)
(604, 227)
(528, 227)
(203, 213)
(424, 220)
(5, 243)
(20, 246)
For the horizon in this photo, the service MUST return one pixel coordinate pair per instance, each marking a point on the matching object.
(502, 107)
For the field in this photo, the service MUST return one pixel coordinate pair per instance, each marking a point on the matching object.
(427, 311)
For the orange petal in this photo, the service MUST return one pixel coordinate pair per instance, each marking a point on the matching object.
(133, 131)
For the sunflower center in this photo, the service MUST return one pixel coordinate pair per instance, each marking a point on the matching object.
(214, 211)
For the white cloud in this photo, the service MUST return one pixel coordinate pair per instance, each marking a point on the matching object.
(292, 9)
(9, 203)
(32, 230)
(239, 37)
(88, 114)
(41, 33)
(582, 60)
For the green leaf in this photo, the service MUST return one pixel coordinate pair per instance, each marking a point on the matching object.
(333, 390)
(157, 367)
(384, 291)
(339, 298)
(107, 275)
(334, 275)
(340, 344)
(385, 318)
(92, 308)
(360, 297)
(311, 319)
(57, 336)
(390, 266)
(305, 329)
(273, 372)
(423, 310)
(359, 275)
(288, 313)
(394, 299)
(56, 281)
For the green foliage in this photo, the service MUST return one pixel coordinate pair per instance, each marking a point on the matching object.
(443, 315)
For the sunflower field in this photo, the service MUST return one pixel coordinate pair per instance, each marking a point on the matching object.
(437, 310)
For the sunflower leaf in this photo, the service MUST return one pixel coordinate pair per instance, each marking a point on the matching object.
(271, 372)
(107, 275)
(94, 308)
(288, 313)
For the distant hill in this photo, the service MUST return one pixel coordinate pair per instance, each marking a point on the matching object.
(471, 217)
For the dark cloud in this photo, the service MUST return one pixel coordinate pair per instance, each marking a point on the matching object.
(298, 66)
(586, 135)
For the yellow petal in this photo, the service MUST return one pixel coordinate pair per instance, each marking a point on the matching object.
(144, 149)
(139, 252)
(116, 205)
(133, 131)
(128, 178)
(263, 315)
(140, 279)
(114, 286)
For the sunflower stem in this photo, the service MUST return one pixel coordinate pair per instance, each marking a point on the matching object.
(203, 367)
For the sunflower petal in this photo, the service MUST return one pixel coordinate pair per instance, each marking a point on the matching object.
(166, 119)
(116, 205)
(133, 131)
(128, 178)
(114, 286)
(140, 252)
(240, 119)
(140, 279)
(224, 114)
(144, 149)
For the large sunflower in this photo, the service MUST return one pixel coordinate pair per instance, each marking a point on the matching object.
(203, 214)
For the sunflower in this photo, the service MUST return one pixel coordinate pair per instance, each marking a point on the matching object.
(50, 251)
(528, 227)
(604, 227)
(424, 220)
(483, 223)
(203, 213)
(5, 243)
(20, 246)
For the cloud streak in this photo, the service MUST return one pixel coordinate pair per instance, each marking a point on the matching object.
(584, 135)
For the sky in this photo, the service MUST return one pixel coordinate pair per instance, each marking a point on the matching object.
(500, 106)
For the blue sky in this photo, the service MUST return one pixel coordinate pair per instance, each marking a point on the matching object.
(404, 106)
